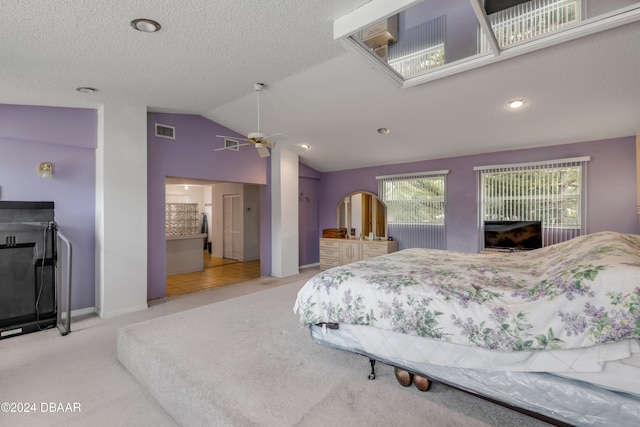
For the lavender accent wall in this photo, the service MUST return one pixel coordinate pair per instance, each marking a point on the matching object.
(611, 198)
(66, 137)
(192, 155)
(75, 127)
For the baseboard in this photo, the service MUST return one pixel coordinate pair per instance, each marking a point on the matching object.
(123, 311)
(315, 264)
(79, 312)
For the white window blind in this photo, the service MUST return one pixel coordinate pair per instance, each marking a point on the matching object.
(419, 48)
(553, 192)
(416, 205)
(530, 19)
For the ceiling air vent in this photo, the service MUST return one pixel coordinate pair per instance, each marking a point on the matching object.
(164, 131)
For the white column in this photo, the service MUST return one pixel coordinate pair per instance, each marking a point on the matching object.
(638, 170)
(121, 210)
(284, 213)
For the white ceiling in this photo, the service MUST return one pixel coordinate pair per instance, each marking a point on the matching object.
(208, 54)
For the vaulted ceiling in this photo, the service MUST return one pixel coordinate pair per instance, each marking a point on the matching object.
(208, 54)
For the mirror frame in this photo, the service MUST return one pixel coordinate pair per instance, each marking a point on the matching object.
(347, 209)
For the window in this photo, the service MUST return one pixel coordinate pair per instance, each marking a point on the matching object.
(419, 48)
(416, 205)
(530, 19)
(551, 192)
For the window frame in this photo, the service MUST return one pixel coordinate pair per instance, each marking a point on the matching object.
(555, 229)
(427, 234)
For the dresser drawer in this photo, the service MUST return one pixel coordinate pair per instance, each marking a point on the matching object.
(373, 249)
(330, 252)
(330, 244)
(327, 263)
(367, 255)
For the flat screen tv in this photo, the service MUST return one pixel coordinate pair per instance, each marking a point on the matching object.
(513, 235)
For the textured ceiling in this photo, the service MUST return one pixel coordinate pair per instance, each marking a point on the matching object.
(209, 53)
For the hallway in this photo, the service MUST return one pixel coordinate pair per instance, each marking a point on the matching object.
(217, 272)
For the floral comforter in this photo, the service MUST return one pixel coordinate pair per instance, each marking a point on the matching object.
(574, 294)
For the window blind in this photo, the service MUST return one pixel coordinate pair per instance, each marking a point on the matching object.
(416, 205)
(553, 192)
(419, 48)
(530, 19)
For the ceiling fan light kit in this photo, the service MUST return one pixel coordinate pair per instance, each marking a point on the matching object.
(256, 136)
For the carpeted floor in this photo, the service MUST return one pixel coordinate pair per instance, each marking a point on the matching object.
(81, 370)
(245, 361)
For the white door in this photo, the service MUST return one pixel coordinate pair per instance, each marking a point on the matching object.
(231, 222)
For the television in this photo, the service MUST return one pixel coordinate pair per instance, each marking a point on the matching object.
(513, 235)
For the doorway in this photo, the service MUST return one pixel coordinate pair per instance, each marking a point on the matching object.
(228, 256)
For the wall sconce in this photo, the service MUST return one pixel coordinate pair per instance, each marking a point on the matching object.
(45, 170)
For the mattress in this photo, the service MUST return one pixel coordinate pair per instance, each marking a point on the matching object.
(571, 398)
(397, 346)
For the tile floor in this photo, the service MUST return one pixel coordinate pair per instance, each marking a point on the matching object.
(217, 272)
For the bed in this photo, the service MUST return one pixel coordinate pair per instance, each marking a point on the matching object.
(553, 332)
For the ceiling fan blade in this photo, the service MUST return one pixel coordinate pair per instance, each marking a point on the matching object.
(232, 147)
(298, 148)
(276, 134)
(231, 137)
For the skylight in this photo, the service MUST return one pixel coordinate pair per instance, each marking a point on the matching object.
(415, 41)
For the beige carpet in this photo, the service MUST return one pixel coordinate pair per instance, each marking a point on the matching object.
(82, 367)
(245, 361)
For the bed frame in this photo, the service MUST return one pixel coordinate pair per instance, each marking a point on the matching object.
(556, 411)
(423, 383)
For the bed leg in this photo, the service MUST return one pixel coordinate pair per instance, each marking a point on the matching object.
(372, 375)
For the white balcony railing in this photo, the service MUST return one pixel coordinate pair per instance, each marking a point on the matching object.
(531, 19)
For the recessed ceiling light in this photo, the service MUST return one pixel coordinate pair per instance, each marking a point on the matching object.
(145, 25)
(86, 89)
(383, 130)
(516, 104)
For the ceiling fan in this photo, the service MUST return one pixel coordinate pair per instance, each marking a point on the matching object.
(260, 140)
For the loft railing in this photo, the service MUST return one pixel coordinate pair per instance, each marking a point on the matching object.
(528, 20)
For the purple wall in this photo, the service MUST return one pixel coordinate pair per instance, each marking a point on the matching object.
(192, 155)
(611, 180)
(66, 137)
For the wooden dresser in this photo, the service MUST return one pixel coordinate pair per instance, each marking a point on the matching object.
(335, 252)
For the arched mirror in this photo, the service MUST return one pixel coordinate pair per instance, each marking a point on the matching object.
(362, 213)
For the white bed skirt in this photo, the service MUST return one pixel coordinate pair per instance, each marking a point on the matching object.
(398, 346)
